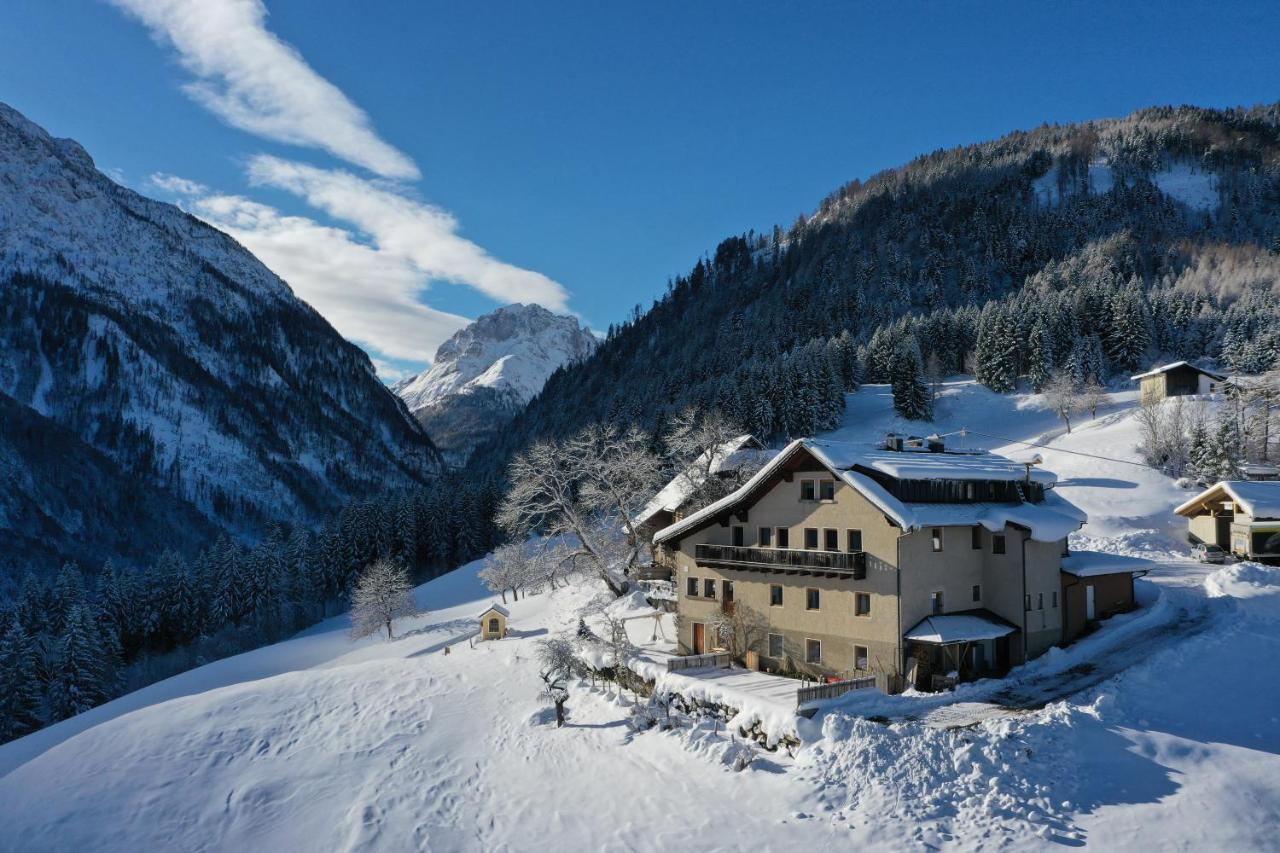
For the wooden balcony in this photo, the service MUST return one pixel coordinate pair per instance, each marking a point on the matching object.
(833, 564)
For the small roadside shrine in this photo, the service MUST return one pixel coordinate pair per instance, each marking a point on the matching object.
(493, 622)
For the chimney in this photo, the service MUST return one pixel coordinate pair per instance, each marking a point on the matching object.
(893, 441)
(935, 443)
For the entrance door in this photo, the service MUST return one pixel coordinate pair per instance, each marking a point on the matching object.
(1090, 609)
(699, 638)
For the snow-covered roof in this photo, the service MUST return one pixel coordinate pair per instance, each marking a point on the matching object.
(1260, 498)
(1167, 367)
(958, 628)
(1048, 521)
(924, 465)
(1089, 564)
(494, 608)
(727, 457)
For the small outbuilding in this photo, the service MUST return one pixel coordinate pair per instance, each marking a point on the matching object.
(493, 622)
(1240, 516)
(1179, 379)
(1097, 585)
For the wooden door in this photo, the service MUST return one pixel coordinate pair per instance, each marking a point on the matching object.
(699, 638)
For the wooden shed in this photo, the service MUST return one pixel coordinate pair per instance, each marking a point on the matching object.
(1179, 379)
(493, 622)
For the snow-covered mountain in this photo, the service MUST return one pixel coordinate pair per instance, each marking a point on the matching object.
(488, 370)
(175, 360)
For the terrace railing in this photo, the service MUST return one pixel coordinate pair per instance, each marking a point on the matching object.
(851, 563)
(833, 690)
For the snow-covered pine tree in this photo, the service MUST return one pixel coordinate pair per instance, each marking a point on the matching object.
(81, 678)
(997, 350)
(911, 397)
(1039, 356)
(20, 691)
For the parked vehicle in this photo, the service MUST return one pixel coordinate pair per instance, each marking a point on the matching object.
(1206, 552)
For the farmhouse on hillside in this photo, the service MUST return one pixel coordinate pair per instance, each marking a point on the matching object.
(906, 561)
(1178, 379)
(1240, 516)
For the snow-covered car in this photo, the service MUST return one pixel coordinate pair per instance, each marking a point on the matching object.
(1207, 553)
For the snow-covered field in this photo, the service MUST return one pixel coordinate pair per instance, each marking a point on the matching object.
(1170, 741)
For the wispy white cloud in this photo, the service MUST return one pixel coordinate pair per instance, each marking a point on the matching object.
(369, 279)
(421, 234)
(254, 81)
(369, 295)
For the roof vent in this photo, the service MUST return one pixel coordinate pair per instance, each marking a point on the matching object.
(935, 443)
(893, 441)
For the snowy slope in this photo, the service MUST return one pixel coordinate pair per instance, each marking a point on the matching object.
(166, 346)
(1169, 742)
(489, 369)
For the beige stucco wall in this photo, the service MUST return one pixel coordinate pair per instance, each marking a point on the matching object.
(835, 623)
(1044, 578)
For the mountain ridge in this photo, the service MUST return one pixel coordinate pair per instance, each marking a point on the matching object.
(488, 370)
(164, 344)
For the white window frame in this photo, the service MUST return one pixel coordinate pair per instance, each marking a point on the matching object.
(782, 645)
(782, 594)
(859, 597)
(866, 658)
(807, 608)
(807, 641)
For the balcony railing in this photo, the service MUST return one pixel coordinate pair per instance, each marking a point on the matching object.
(850, 563)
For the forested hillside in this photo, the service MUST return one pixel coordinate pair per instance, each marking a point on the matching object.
(1096, 248)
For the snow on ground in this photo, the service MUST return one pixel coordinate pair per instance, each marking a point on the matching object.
(1159, 731)
(1183, 182)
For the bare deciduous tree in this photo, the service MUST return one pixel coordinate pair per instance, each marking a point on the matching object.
(382, 594)
(1062, 396)
(581, 491)
(555, 667)
(739, 628)
(1093, 396)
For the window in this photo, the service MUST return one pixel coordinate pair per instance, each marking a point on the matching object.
(812, 599)
(1039, 601)
(810, 538)
(726, 588)
(831, 539)
(853, 540)
(775, 595)
(827, 490)
(493, 625)
(1055, 598)
(784, 537)
(709, 588)
(937, 538)
(738, 536)
(935, 600)
(775, 646)
(807, 490)
(862, 604)
(977, 592)
(691, 587)
(997, 543)
(812, 651)
(860, 658)
(977, 538)
(765, 538)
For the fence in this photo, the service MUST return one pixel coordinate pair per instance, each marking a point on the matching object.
(834, 689)
(720, 659)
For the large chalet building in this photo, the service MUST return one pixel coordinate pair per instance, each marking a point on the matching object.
(906, 561)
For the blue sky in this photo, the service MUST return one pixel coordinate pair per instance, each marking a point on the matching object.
(409, 165)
